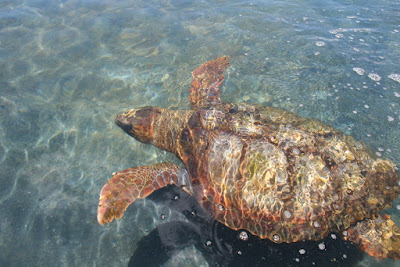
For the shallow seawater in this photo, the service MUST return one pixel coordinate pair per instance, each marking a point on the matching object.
(68, 67)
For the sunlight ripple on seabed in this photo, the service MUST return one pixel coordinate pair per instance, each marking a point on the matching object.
(67, 69)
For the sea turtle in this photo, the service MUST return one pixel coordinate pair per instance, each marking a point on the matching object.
(262, 169)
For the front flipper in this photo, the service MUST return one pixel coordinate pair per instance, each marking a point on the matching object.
(380, 238)
(206, 82)
(128, 185)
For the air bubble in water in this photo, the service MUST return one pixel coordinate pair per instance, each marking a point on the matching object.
(359, 71)
(243, 236)
(375, 77)
(395, 77)
(276, 238)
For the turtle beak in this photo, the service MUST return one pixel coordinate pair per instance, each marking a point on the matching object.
(138, 123)
(123, 122)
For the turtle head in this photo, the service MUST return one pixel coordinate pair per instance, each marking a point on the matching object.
(139, 122)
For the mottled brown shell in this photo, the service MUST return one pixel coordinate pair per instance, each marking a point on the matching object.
(280, 176)
(262, 169)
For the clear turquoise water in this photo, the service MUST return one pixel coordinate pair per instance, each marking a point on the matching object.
(68, 67)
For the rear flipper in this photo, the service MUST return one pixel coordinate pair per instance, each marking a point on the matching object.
(379, 237)
(128, 185)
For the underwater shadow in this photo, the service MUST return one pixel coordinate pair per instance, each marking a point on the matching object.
(222, 246)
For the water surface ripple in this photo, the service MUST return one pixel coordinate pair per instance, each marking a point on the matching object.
(67, 67)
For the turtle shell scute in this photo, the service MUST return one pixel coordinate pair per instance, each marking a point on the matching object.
(284, 177)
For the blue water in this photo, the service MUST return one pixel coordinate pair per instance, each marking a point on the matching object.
(68, 67)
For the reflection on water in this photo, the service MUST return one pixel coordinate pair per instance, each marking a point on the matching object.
(68, 67)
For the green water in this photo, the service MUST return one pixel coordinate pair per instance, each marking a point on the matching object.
(68, 67)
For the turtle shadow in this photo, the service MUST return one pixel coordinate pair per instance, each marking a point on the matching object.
(221, 246)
